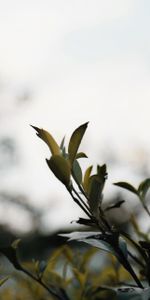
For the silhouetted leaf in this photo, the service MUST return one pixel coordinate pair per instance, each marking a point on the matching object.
(61, 168)
(116, 205)
(77, 172)
(102, 172)
(48, 139)
(75, 141)
(143, 188)
(83, 221)
(126, 186)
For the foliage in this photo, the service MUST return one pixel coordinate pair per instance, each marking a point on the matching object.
(68, 275)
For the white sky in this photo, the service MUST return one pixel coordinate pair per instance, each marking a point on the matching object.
(84, 61)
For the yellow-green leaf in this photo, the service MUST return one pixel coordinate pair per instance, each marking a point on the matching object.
(48, 139)
(86, 178)
(3, 280)
(61, 168)
(75, 141)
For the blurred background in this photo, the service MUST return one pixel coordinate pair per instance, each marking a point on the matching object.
(63, 63)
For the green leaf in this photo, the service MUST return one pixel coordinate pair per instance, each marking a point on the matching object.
(143, 188)
(95, 188)
(81, 155)
(48, 139)
(127, 186)
(77, 172)
(61, 168)
(75, 141)
(86, 178)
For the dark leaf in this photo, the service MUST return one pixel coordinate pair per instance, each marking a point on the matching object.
(116, 205)
(144, 187)
(127, 186)
(83, 221)
(95, 189)
(11, 254)
(77, 172)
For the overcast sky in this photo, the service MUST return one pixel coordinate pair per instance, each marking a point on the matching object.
(81, 61)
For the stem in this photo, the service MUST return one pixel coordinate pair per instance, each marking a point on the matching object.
(50, 290)
(78, 202)
(128, 267)
(85, 205)
(136, 259)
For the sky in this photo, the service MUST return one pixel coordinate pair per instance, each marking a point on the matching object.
(78, 61)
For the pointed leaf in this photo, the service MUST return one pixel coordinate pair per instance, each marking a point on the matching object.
(86, 178)
(77, 172)
(81, 155)
(143, 188)
(61, 168)
(127, 186)
(75, 141)
(48, 139)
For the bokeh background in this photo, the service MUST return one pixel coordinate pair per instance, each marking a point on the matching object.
(63, 63)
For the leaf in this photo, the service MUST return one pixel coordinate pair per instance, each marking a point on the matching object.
(48, 139)
(127, 186)
(116, 205)
(77, 172)
(79, 234)
(95, 188)
(86, 178)
(3, 280)
(143, 188)
(81, 155)
(75, 141)
(61, 168)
